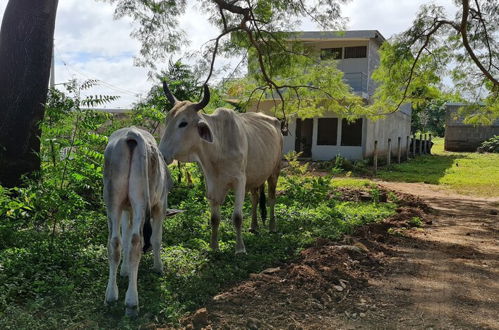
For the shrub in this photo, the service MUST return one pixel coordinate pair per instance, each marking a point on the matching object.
(490, 145)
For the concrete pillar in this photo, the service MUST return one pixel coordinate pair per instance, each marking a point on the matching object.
(389, 154)
(424, 143)
(429, 143)
(399, 149)
(414, 145)
(420, 143)
(407, 145)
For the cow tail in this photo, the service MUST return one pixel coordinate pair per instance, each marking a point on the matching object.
(136, 139)
(263, 202)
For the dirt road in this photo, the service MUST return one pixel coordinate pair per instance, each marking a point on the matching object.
(443, 277)
(448, 275)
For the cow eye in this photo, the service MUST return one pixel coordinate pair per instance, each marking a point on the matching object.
(182, 124)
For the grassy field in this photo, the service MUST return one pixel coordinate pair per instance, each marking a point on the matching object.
(464, 172)
(58, 280)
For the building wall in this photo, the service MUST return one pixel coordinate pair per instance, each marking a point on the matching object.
(373, 63)
(324, 152)
(392, 127)
(463, 137)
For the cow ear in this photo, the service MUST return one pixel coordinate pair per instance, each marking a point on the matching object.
(205, 131)
(172, 212)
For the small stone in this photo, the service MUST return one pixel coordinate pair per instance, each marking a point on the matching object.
(493, 212)
(362, 314)
(253, 324)
(361, 246)
(354, 315)
(338, 288)
(343, 283)
(363, 301)
(200, 318)
(271, 270)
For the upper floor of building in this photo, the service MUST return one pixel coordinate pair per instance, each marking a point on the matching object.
(356, 52)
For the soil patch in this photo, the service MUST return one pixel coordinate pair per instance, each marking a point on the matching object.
(327, 285)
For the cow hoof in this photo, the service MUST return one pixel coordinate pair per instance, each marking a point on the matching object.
(109, 302)
(132, 312)
(111, 295)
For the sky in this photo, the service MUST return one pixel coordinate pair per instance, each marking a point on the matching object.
(90, 44)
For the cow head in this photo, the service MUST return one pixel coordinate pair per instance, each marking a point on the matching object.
(186, 130)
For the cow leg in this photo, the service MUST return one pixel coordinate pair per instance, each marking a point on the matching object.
(272, 198)
(113, 252)
(134, 255)
(254, 213)
(157, 232)
(237, 216)
(215, 222)
(125, 231)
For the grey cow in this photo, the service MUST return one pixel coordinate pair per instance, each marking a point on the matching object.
(136, 185)
(238, 151)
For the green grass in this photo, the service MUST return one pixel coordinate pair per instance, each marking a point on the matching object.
(60, 282)
(350, 182)
(464, 172)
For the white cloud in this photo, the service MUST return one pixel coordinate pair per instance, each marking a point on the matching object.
(91, 44)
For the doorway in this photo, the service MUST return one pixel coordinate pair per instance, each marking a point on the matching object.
(303, 141)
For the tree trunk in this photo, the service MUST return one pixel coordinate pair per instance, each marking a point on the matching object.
(26, 42)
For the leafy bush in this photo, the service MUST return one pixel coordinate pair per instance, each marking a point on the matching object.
(490, 145)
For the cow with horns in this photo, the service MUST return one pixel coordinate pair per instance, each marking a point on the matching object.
(238, 151)
(136, 185)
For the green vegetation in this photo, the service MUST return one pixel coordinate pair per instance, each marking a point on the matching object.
(53, 232)
(59, 281)
(491, 145)
(416, 222)
(467, 173)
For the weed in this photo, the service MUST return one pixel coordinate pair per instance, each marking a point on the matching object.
(416, 222)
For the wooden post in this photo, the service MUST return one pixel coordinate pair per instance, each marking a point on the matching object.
(399, 149)
(424, 142)
(420, 143)
(414, 145)
(407, 144)
(375, 156)
(389, 154)
(429, 144)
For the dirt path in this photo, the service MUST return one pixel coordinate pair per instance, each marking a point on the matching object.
(449, 274)
(443, 277)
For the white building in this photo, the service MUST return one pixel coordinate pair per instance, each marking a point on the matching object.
(325, 137)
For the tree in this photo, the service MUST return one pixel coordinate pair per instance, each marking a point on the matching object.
(465, 48)
(254, 26)
(26, 41)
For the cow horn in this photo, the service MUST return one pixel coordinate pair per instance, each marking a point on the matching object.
(205, 100)
(171, 98)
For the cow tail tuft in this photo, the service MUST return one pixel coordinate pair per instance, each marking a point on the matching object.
(147, 232)
(263, 202)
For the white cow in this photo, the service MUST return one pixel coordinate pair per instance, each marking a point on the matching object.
(136, 185)
(238, 151)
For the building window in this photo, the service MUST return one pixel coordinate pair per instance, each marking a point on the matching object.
(351, 133)
(356, 52)
(330, 53)
(327, 131)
